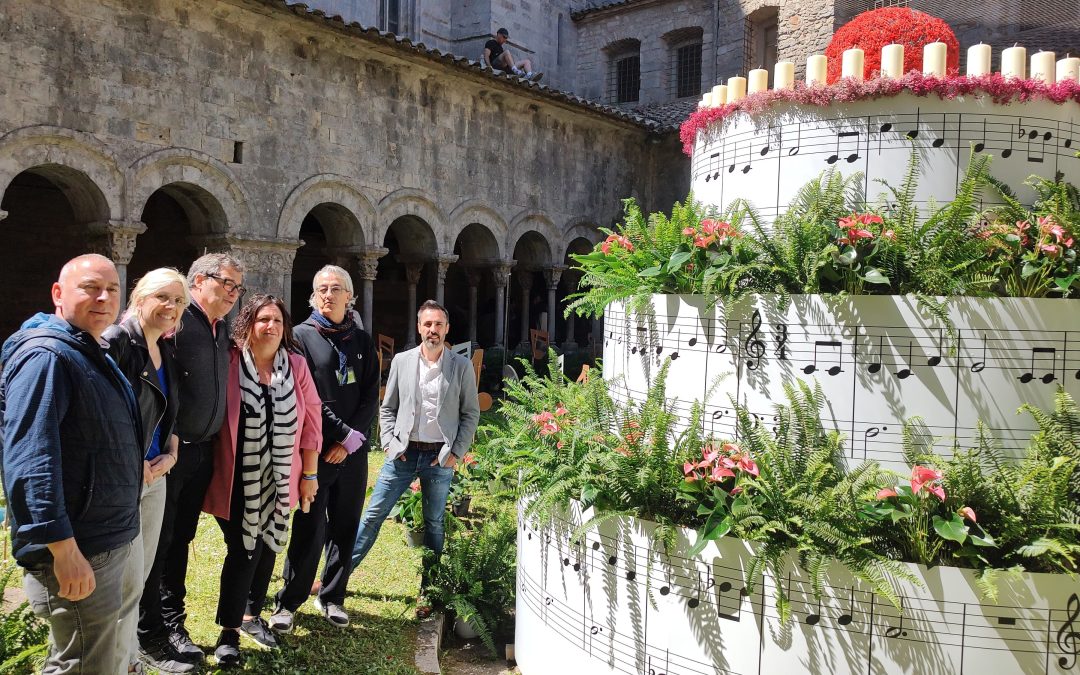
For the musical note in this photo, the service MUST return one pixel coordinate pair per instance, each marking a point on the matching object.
(871, 432)
(846, 618)
(726, 587)
(1007, 152)
(1068, 640)
(981, 145)
(754, 346)
(979, 365)
(1044, 137)
(935, 360)
(914, 133)
(813, 618)
(1049, 376)
(667, 664)
(713, 163)
(798, 142)
(896, 631)
(594, 629)
(905, 373)
(832, 344)
(781, 343)
(835, 157)
(875, 366)
(940, 140)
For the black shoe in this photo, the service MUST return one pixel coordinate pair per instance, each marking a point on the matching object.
(158, 653)
(186, 649)
(257, 630)
(227, 651)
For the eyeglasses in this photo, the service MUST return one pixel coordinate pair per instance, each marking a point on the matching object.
(332, 290)
(229, 285)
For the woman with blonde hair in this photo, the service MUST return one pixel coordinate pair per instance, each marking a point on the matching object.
(137, 345)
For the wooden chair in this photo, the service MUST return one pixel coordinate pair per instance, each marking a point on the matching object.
(584, 376)
(482, 397)
(538, 340)
(385, 347)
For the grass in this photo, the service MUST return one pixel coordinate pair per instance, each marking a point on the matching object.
(380, 601)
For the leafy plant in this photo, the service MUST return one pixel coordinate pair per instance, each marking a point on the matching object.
(409, 508)
(474, 577)
(23, 636)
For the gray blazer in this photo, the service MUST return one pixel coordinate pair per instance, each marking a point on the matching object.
(459, 411)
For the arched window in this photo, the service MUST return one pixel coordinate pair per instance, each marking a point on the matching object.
(624, 70)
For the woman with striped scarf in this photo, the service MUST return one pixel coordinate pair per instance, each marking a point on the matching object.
(265, 461)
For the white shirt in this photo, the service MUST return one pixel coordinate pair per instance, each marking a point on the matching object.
(426, 420)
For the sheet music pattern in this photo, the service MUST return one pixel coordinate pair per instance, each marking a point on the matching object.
(607, 602)
(768, 159)
(879, 361)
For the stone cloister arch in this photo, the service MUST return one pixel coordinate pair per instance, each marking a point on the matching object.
(533, 272)
(478, 252)
(406, 269)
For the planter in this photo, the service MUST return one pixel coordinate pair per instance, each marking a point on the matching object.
(609, 603)
(767, 158)
(414, 538)
(879, 360)
(465, 630)
(460, 508)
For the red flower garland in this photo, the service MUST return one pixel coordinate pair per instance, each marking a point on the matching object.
(870, 31)
(998, 89)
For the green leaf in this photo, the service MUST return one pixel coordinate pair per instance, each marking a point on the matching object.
(874, 276)
(953, 530)
(651, 272)
(677, 260)
(985, 540)
(848, 256)
(1028, 269)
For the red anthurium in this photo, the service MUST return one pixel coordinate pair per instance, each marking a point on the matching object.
(925, 477)
(689, 231)
(719, 473)
(560, 411)
(688, 468)
(748, 465)
(885, 493)
(549, 428)
(1051, 250)
(967, 512)
(888, 234)
(542, 417)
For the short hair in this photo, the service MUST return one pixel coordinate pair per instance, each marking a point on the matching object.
(345, 278)
(212, 263)
(245, 321)
(431, 304)
(152, 282)
(503, 32)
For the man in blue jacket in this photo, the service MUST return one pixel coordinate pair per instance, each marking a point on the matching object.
(72, 468)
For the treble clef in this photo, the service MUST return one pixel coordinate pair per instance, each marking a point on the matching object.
(753, 346)
(1068, 640)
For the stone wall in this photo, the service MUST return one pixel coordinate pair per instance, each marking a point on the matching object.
(248, 116)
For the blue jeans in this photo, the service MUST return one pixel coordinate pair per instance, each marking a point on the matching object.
(394, 479)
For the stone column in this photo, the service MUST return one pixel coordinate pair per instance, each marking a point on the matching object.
(369, 268)
(412, 276)
(572, 278)
(116, 241)
(442, 264)
(553, 274)
(472, 274)
(268, 264)
(525, 280)
(500, 274)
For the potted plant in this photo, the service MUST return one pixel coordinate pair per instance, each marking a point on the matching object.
(462, 485)
(474, 577)
(409, 510)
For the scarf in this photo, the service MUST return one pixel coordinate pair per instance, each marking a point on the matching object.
(338, 335)
(265, 447)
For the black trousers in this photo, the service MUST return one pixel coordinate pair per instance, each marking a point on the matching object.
(245, 577)
(329, 527)
(161, 608)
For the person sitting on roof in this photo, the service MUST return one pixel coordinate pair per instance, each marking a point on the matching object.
(498, 57)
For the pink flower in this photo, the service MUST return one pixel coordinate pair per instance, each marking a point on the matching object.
(415, 485)
(925, 477)
(704, 242)
(549, 428)
(688, 468)
(735, 490)
(888, 234)
(606, 247)
(560, 445)
(542, 417)
(560, 411)
(748, 465)
(1022, 226)
(870, 219)
(885, 493)
(968, 512)
(719, 473)
(1051, 250)
(855, 234)
(708, 226)
(689, 231)
(731, 448)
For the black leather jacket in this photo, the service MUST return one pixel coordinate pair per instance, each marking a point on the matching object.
(127, 346)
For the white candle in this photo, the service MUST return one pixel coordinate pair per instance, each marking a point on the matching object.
(933, 59)
(706, 100)
(1043, 67)
(784, 75)
(852, 66)
(1068, 69)
(719, 95)
(892, 61)
(817, 69)
(758, 80)
(1014, 62)
(736, 89)
(978, 60)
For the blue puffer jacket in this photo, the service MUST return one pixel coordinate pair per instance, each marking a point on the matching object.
(71, 444)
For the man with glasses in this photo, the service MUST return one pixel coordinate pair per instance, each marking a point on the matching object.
(201, 350)
(345, 367)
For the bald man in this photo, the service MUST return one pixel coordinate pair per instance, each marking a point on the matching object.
(72, 468)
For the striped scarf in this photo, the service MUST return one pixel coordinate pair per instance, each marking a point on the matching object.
(266, 448)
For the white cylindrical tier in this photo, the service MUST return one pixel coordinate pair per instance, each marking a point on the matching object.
(736, 89)
(1068, 68)
(853, 63)
(892, 61)
(934, 57)
(1014, 62)
(1043, 67)
(757, 80)
(978, 60)
(784, 75)
(817, 69)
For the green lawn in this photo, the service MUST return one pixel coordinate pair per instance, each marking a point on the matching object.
(380, 602)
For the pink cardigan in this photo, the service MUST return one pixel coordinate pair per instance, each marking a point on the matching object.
(308, 436)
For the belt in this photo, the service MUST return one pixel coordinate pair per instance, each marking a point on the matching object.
(425, 447)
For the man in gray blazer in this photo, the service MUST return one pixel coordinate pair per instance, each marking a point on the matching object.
(427, 421)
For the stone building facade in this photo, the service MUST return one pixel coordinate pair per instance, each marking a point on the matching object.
(155, 130)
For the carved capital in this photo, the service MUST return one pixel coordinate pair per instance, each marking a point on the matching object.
(266, 256)
(116, 239)
(500, 272)
(553, 274)
(413, 271)
(369, 261)
(442, 264)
